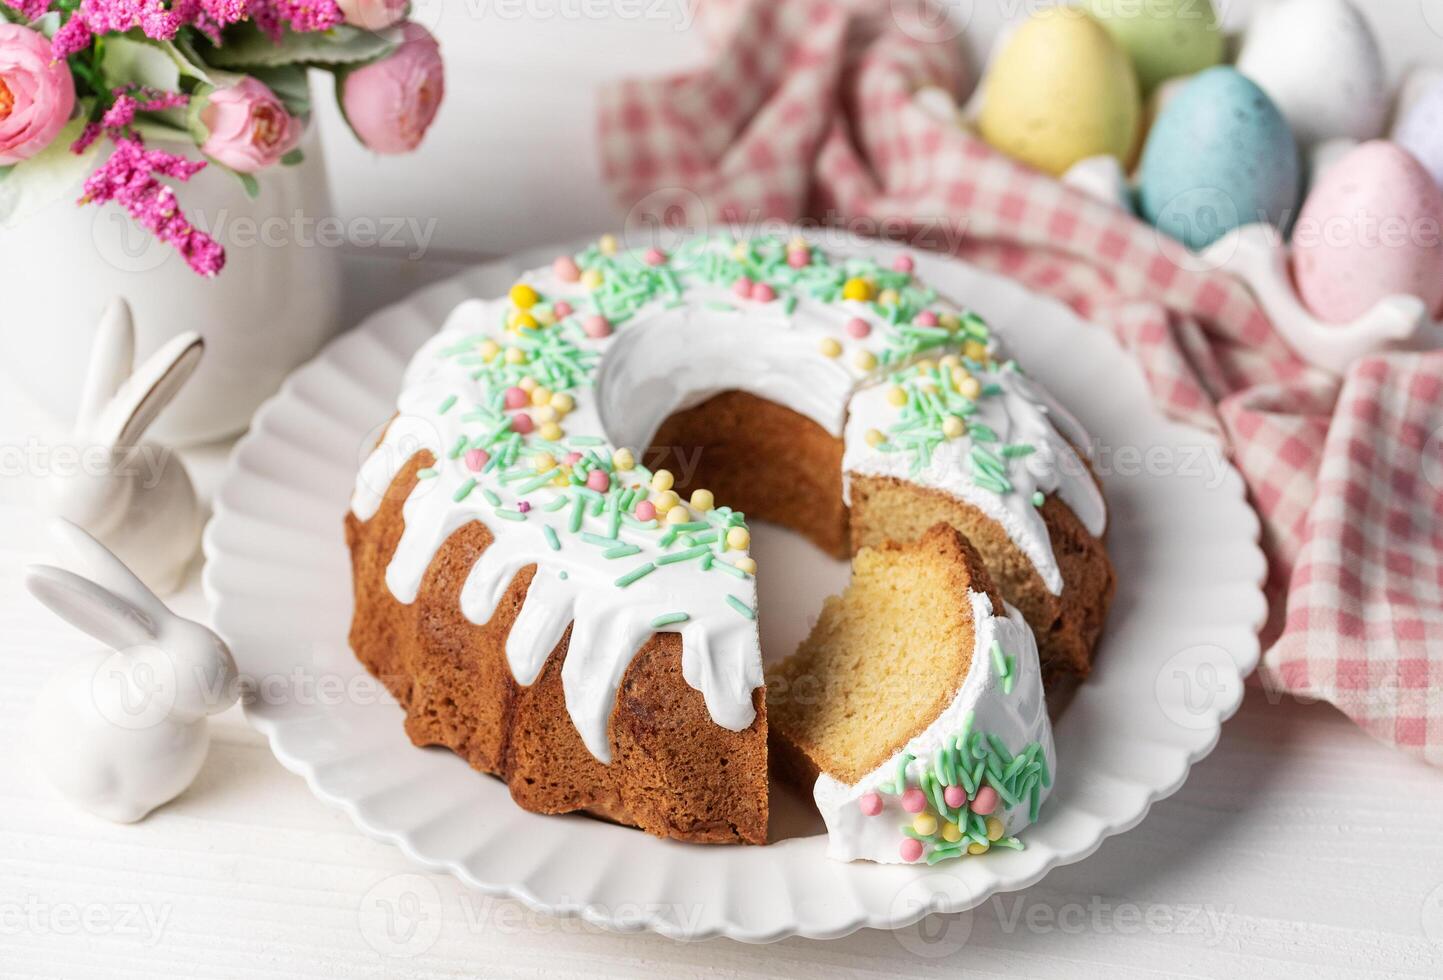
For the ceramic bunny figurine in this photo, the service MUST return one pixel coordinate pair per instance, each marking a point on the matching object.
(120, 732)
(140, 502)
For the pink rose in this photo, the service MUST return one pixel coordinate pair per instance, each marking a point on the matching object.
(36, 93)
(248, 127)
(373, 15)
(390, 103)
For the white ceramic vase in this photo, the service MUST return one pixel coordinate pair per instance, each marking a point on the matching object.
(272, 307)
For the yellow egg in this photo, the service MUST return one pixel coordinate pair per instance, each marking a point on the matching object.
(969, 387)
(953, 427)
(975, 350)
(677, 515)
(662, 480)
(527, 383)
(591, 278)
(544, 462)
(524, 321)
(830, 347)
(703, 500)
(875, 437)
(488, 350)
(897, 396)
(623, 459)
(665, 501)
(994, 828)
(540, 395)
(515, 355)
(747, 565)
(951, 833)
(524, 296)
(738, 538)
(550, 432)
(865, 360)
(975, 848)
(562, 402)
(858, 289)
(607, 244)
(925, 824)
(888, 297)
(545, 414)
(1060, 91)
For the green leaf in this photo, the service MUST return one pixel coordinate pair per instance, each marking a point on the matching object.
(291, 86)
(292, 158)
(127, 61)
(247, 48)
(34, 184)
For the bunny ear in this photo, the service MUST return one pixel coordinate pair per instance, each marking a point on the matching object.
(101, 564)
(89, 607)
(148, 391)
(111, 358)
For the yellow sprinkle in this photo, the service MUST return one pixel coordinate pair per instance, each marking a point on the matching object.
(738, 538)
(524, 296)
(607, 244)
(875, 437)
(544, 462)
(950, 321)
(527, 383)
(897, 396)
(662, 480)
(591, 278)
(951, 833)
(678, 515)
(865, 360)
(702, 500)
(623, 459)
(515, 355)
(545, 414)
(925, 824)
(994, 828)
(953, 427)
(747, 565)
(975, 848)
(975, 350)
(858, 289)
(488, 350)
(888, 297)
(830, 347)
(969, 387)
(550, 432)
(562, 402)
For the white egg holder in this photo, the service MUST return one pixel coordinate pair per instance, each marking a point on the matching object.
(1256, 254)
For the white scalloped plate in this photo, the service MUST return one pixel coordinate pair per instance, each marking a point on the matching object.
(1181, 637)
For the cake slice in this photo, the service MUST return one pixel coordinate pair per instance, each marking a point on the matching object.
(914, 709)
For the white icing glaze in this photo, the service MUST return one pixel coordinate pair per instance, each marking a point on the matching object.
(1017, 718)
(672, 351)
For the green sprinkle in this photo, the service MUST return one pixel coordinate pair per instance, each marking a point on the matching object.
(597, 539)
(427, 474)
(641, 571)
(1037, 498)
(945, 853)
(669, 619)
(464, 490)
(621, 551)
(686, 555)
(551, 538)
(510, 515)
(446, 405)
(741, 607)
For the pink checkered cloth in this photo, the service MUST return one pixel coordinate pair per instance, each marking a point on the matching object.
(805, 111)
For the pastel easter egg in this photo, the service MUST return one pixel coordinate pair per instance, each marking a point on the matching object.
(1319, 62)
(1420, 129)
(1164, 38)
(1372, 228)
(1061, 90)
(1220, 155)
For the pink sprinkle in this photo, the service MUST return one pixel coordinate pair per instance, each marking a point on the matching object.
(523, 505)
(521, 422)
(743, 287)
(566, 268)
(562, 309)
(645, 510)
(926, 319)
(572, 458)
(596, 326)
(517, 397)
(914, 801)
(870, 804)
(654, 256)
(799, 258)
(598, 480)
(910, 850)
(476, 458)
(954, 796)
(985, 801)
(857, 327)
(903, 263)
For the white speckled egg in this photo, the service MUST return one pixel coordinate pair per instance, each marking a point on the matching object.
(1420, 130)
(1320, 63)
(1371, 228)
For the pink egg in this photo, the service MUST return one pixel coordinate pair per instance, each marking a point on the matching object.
(985, 801)
(571, 458)
(857, 327)
(763, 293)
(925, 319)
(598, 481)
(655, 256)
(799, 258)
(596, 326)
(742, 288)
(521, 422)
(517, 397)
(566, 269)
(1370, 229)
(870, 804)
(562, 309)
(954, 796)
(914, 801)
(476, 459)
(645, 510)
(903, 263)
(910, 849)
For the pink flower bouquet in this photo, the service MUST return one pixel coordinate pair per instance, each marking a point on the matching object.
(228, 76)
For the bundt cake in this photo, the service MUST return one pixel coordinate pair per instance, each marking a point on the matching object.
(550, 546)
(914, 709)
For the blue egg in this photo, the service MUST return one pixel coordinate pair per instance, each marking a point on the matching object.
(1219, 156)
